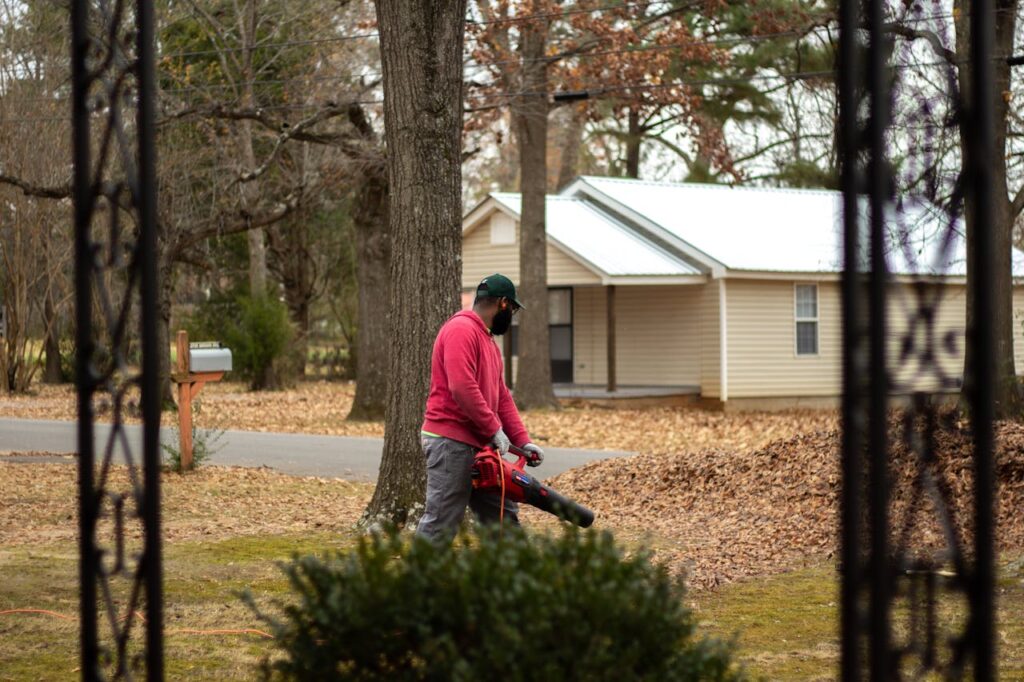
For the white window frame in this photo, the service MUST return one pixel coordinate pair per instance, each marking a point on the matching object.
(798, 319)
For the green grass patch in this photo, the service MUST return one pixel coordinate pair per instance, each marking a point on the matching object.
(202, 581)
(786, 626)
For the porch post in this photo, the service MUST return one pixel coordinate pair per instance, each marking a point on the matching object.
(610, 306)
(506, 341)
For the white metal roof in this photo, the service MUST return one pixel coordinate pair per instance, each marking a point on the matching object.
(783, 230)
(602, 241)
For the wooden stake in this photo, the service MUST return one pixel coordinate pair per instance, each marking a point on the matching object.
(184, 403)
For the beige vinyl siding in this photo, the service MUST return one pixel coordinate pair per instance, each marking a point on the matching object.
(762, 359)
(589, 335)
(657, 335)
(481, 258)
(710, 342)
(762, 354)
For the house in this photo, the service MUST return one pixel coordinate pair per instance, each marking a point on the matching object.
(730, 295)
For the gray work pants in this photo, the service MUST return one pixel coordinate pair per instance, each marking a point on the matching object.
(450, 489)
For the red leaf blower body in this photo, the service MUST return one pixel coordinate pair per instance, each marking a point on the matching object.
(492, 472)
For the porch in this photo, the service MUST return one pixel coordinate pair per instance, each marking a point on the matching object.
(601, 392)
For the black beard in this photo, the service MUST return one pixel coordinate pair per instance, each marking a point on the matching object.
(501, 322)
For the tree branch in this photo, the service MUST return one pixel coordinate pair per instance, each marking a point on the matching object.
(931, 37)
(30, 189)
(245, 223)
(296, 132)
(1018, 203)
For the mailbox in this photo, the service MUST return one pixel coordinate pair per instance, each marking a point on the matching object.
(209, 358)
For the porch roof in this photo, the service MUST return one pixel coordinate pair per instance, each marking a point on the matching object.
(600, 242)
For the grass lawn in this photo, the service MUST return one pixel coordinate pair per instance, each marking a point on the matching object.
(785, 625)
(202, 584)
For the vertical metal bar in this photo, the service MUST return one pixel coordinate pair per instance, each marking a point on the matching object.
(878, 484)
(613, 382)
(983, 270)
(87, 504)
(150, 388)
(851, 463)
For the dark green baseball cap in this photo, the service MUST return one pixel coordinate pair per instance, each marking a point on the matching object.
(498, 286)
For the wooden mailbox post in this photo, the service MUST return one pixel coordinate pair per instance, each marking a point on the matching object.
(189, 385)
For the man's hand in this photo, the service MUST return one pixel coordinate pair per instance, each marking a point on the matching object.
(501, 442)
(534, 455)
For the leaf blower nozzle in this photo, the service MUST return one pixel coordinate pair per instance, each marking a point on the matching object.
(494, 473)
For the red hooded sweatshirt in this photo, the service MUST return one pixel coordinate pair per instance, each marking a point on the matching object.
(468, 399)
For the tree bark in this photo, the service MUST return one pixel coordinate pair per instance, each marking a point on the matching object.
(165, 261)
(421, 54)
(533, 380)
(569, 162)
(634, 136)
(373, 258)
(1008, 396)
(52, 373)
(249, 190)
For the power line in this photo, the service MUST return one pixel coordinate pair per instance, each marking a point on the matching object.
(591, 89)
(737, 40)
(362, 36)
(566, 12)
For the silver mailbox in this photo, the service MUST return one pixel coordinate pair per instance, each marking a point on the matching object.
(209, 358)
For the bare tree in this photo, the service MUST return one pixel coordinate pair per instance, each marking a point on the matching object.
(1005, 210)
(421, 50)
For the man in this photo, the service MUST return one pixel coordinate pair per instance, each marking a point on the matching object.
(468, 408)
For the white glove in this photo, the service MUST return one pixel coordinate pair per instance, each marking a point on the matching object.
(534, 455)
(501, 442)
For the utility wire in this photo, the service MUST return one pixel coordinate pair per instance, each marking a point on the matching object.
(591, 90)
(363, 36)
(737, 40)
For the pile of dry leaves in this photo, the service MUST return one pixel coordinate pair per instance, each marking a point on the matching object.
(722, 515)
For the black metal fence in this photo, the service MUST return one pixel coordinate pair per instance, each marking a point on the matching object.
(115, 233)
(116, 289)
(892, 591)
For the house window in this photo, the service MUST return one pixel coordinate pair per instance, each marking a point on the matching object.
(503, 229)
(806, 319)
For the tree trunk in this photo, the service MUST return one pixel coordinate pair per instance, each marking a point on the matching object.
(533, 381)
(163, 323)
(52, 373)
(569, 163)
(249, 190)
(421, 55)
(373, 258)
(634, 136)
(1007, 388)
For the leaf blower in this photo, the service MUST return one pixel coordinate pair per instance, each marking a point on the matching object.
(492, 472)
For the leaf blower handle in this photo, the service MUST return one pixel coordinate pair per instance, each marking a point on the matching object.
(522, 454)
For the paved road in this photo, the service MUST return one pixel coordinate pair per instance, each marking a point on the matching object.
(355, 459)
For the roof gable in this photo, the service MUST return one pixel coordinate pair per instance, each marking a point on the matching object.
(589, 236)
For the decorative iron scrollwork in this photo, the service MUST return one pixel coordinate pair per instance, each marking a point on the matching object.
(903, 565)
(117, 368)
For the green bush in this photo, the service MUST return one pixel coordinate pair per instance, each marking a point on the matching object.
(256, 329)
(511, 607)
